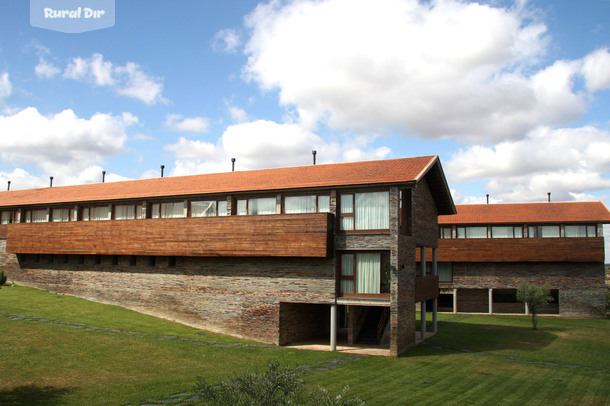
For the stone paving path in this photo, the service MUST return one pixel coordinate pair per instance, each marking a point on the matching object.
(183, 398)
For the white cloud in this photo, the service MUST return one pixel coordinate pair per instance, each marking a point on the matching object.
(596, 70)
(444, 68)
(570, 163)
(127, 80)
(62, 145)
(238, 115)
(5, 87)
(46, 69)
(266, 144)
(227, 40)
(177, 122)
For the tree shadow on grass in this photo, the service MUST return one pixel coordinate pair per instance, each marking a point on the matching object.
(490, 337)
(33, 395)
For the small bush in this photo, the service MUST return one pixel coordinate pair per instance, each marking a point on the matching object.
(274, 387)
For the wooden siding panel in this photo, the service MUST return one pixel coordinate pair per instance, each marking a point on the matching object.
(3, 231)
(305, 235)
(590, 249)
(426, 287)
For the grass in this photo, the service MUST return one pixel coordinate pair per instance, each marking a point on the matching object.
(475, 360)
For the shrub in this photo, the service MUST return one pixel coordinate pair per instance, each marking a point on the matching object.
(535, 297)
(274, 387)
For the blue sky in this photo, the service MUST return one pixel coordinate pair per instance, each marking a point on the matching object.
(513, 96)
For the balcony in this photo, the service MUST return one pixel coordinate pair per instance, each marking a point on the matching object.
(294, 235)
(426, 288)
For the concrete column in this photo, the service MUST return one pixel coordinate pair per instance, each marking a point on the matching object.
(435, 302)
(454, 300)
(423, 320)
(490, 299)
(434, 261)
(423, 260)
(333, 327)
(527, 310)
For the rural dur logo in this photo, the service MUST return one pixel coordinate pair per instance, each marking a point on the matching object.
(72, 16)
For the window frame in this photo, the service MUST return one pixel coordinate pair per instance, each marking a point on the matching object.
(341, 215)
(384, 261)
(247, 200)
(217, 210)
(317, 201)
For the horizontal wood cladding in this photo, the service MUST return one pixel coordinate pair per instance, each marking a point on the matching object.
(589, 249)
(294, 235)
(426, 287)
(3, 231)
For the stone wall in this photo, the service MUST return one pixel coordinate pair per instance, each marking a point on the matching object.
(580, 285)
(425, 216)
(236, 296)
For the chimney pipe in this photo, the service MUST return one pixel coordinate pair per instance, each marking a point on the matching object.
(232, 164)
(9, 185)
(487, 195)
(549, 196)
(314, 152)
(51, 181)
(103, 176)
(162, 168)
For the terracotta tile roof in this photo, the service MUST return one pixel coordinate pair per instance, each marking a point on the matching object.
(313, 176)
(559, 212)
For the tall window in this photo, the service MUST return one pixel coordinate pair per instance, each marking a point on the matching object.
(445, 271)
(365, 273)
(307, 204)
(209, 208)
(365, 211)
(256, 206)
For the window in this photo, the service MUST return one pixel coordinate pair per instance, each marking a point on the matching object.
(209, 208)
(8, 217)
(548, 231)
(168, 210)
(506, 232)
(472, 232)
(125, 212)
(580, 231)
(256, 206)
(365, 211)
(95, 213)
(445, 271)
(365, 273)
(306, 204)
(445, 232)
(59, 215)
(36, 216)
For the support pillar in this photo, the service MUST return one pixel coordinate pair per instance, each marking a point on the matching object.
(435, 302)
(333, 327)
(423, 320)
(454, 300)
(490, 299)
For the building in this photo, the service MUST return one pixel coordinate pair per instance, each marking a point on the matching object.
(276, 255)
(486, 250)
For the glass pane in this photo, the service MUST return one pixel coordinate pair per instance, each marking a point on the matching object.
(591, 231)
(222, 207)
(61, 215)
(323, 204)
(347, 223)
(476, 232)
(242, 207)
(518, 232)
(445, 232)
(576, 231)
(203, 209)
(445, 271)
(347, 264)
(549, 231)
(155, 211)
(99, 213)
(140, 211)
(501, 232)
(172, 210)
(347, 286)
(368, 273)
(261, 205)
(531, 232)
(39, 216)
(372, 211)
(124, 212)
(347, 204)
(7, 217)
(461, 232)
(299, 204)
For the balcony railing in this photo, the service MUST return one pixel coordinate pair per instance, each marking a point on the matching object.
(426, 287)
(293, 235)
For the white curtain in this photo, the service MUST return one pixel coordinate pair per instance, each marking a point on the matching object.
(299, 204)
(242, 207)
(98, 213)
(124, 212)
(323, 204)
(6, 217)
(60, 215)
(501, 232)
(476, 232)
(549, 231)
(222, 207)
(347, 269)
(172, 210)
(372, 211)
(368, 273)
(576, 231)
(203, 209)
(261, 205)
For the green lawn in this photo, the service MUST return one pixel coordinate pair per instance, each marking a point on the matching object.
(67, 351)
